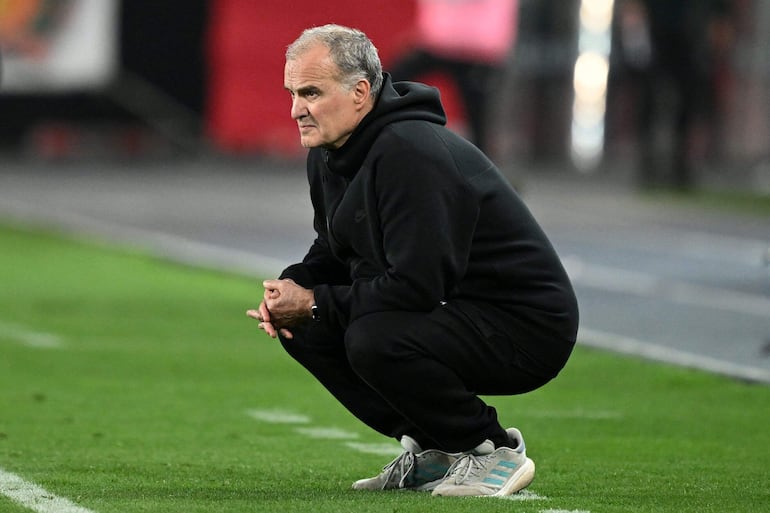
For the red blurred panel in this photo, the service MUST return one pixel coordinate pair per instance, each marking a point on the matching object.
(247, 107)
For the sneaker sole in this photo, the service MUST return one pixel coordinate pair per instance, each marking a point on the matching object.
(425, 487)
(520, 479)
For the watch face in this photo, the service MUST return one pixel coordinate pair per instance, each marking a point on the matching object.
(314, 313)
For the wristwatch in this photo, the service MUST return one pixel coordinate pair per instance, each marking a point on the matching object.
(314, 313)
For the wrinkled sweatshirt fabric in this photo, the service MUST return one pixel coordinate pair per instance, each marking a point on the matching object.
(409, 216)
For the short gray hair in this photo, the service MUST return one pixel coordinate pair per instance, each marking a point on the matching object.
(350, 49)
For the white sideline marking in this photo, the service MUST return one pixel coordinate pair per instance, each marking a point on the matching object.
(577, 413)
(382, 449)
(330, 433)
(29, 337)
(524, 495)
(279, 416)
(327, 433)
(632, 346)
(161, 243)
(32, 496)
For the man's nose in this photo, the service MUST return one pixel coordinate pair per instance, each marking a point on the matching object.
(298, 108)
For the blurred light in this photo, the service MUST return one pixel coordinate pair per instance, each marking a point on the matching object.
(596, 15)
(587, 145)
(590, 79)
(590, 84)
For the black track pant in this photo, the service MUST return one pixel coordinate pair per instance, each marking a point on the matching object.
(418, 374)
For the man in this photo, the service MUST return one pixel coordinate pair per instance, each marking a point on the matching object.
(429, 282)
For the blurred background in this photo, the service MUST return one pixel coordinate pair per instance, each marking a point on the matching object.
(165, 123)
(669, 93)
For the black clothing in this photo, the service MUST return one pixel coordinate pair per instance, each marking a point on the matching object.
(413, 220)
(476, 81)
(434, 364)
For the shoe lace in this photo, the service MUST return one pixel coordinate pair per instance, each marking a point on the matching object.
(468, 467)
(400, 467)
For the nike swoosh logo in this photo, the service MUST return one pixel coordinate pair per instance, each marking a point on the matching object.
(359, 216)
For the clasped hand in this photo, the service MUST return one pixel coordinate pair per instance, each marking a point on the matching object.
(284, 306)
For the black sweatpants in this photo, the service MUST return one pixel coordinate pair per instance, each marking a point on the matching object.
(419, 373)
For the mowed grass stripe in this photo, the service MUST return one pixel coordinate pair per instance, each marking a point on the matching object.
(143, 408)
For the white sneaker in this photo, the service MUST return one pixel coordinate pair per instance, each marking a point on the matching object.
(414, 469)
(490, 471)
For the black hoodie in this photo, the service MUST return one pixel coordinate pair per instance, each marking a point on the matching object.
(409, 215)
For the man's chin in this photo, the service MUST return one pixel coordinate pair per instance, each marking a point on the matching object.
(309, 142)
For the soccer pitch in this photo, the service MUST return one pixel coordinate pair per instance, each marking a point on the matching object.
(130, 384)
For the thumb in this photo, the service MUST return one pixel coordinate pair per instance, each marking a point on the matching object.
(271, 284)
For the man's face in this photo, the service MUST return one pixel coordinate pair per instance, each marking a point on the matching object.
(325, 111)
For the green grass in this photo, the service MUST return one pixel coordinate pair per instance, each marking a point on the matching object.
(143, 407)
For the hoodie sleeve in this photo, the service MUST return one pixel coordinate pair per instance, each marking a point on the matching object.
(319, 266)
(427, 215)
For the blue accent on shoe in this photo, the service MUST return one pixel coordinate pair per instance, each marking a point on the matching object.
(502, 473)
(493, 481)
(509, 464)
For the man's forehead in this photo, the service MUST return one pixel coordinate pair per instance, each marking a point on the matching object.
(314, 64)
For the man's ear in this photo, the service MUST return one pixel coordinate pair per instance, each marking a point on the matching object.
(361, 92)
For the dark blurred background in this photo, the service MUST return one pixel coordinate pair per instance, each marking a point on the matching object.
(667, 93)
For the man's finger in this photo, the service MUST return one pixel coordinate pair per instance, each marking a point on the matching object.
(268, 328)
(264, 312)
(271, 284)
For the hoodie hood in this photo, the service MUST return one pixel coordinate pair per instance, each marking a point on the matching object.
(398, 101)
